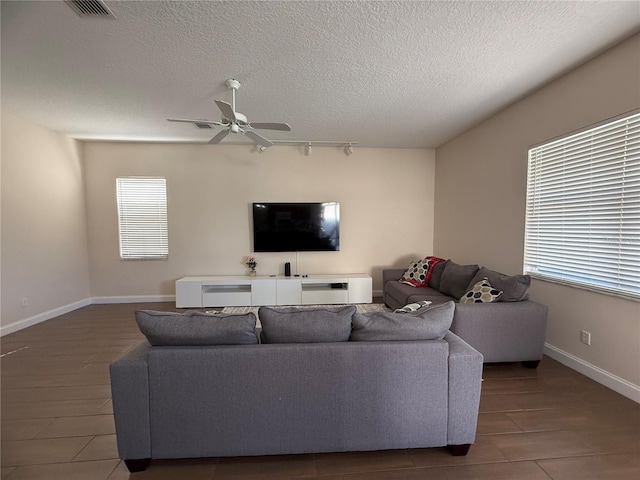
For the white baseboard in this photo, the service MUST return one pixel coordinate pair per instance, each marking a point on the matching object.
(56, 312)
(615, 383)
(41, 317)
(134, 299)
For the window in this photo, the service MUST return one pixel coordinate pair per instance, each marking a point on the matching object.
(583, 209)
(142, 218)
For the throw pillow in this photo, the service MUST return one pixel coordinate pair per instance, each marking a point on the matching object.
(306, 325)
(456, 278)
(419, 273)
(433, 263)
(436, 274)
(482, 292)
(514, 287)
(430, 323)
(412, 307)
(196, 328)
(416, 273)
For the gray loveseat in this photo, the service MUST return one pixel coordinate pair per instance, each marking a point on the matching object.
(511, 329)
(342, 389)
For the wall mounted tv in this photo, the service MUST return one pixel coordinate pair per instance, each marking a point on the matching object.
(296, 227)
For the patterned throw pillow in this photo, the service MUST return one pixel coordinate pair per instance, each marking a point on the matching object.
(416, 273)
(412, 307)
(419, 272)
(482, 292)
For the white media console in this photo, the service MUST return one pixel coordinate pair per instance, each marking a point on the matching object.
(232, 291)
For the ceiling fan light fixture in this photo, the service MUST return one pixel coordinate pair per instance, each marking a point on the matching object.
(235, 122)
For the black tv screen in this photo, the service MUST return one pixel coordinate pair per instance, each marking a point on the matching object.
(296, 227)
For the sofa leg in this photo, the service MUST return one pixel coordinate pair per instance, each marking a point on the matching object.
(459, 450)
(137, 465)
(531, 363)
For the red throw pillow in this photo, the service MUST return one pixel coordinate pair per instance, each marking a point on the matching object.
(433, 261)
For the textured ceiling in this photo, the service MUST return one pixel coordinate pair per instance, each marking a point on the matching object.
(388, 74)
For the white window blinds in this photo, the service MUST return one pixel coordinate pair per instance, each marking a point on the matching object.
(142, 218)
(583, 209)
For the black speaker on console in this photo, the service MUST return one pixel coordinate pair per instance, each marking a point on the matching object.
(287, 269)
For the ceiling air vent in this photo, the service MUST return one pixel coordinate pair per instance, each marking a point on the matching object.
(203, 125)
(90, 8)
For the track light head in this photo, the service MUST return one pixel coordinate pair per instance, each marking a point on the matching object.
(262, 148)
(307, 149)
(348, 150)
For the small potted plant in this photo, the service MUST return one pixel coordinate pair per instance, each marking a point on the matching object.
(250, 261)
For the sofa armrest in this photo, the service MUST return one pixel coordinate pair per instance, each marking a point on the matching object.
(503, 331)
(130, 396)
(465, 383)
(391, 274)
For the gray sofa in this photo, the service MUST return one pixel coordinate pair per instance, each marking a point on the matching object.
(511, 329)
(350, 390)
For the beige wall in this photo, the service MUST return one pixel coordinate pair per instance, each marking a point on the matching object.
(386, 198)
(44, 236)
(480, 202)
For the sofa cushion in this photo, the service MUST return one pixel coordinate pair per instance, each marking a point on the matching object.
(514, 287)
(481, 292)
(429, 323)
(196, 328)
(438, 299)
(456, 278)
(306, 325)
(397, 295)
(412, 307)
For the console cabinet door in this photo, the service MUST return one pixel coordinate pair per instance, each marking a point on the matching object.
(360, 290)
(263, 292)
(289, 291)
(188, 293)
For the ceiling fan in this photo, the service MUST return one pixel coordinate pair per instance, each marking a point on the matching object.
(235, 122)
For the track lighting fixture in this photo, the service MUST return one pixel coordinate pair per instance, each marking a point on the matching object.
(262, 148)
(346, 145)
(348, 150)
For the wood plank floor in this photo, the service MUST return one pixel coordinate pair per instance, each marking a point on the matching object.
(549, 423)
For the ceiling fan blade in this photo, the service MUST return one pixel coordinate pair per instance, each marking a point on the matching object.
(218, 138)
(259, 139)
(272, 126)
(227, 110)
(188, 120)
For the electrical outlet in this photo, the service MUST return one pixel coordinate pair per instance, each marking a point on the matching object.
(24, 303)
(585, 337)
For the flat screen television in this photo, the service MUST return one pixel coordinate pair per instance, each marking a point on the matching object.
(296, 227)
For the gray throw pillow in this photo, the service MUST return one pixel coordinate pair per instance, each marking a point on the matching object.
(456, 278)
(514, 288)
(431, 323)
(436, 275)
(306, 325)
(196, 328)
